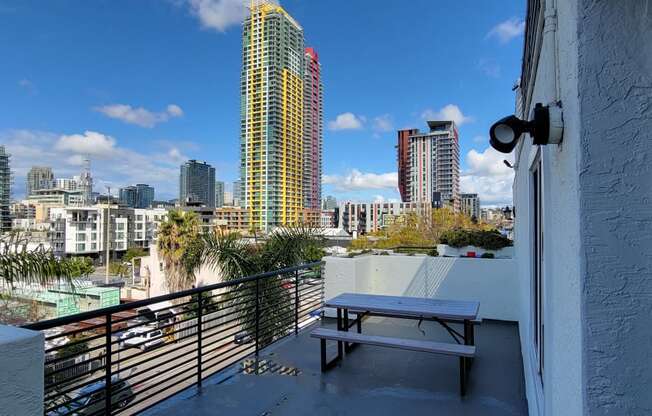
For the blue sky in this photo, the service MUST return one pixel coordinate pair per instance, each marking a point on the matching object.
(142, 85)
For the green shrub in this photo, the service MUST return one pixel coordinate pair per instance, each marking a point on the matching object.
(433, 253)
(488, 240)
(487, 256)
(384, 253)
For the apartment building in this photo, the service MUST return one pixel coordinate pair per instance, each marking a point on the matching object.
(272, 117)
(76, 231)
(146, 223)
(364, 218)
(39, 177)
(582, 198)
(429, 164)
(5, 191)
(470, 205)
(313, 130)
(328, 218)
(231, 219)
(197, 184)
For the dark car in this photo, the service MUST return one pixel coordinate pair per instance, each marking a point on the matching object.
(242, 338)
(90, 399)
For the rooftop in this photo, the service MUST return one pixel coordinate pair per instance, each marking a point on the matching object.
(370, 380)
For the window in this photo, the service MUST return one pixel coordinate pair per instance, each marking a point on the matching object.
(538, 292)
(81, 247)
(93, 236)
(81, 237)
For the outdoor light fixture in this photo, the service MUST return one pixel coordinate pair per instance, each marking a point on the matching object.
(545, 127)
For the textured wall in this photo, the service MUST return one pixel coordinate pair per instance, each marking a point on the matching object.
(615, 84)
(21, 371)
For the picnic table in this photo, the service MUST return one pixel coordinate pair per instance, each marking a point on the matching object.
(444, 312)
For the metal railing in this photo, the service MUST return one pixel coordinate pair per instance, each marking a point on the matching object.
(125, 359)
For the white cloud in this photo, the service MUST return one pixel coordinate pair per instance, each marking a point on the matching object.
(480, 139)
(89, 143)
(139, 116)
(356, 180)
(111, 163)
(379, 199)
(448, 112)
(383, 123)
(346, 121)
(219, 14)
(507, 30)
(487, 175)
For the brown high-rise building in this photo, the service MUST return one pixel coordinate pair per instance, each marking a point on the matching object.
(403, 157)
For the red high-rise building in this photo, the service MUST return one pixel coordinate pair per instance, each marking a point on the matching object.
(403, 157)
(312, 131)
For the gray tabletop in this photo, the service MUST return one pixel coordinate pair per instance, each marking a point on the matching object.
(407, 306)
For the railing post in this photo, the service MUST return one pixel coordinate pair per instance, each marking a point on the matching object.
(199, 336)
(107, 365)
(257, 314)
(296, 302)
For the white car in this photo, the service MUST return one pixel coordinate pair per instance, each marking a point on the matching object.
(146, 340)
(134, 332)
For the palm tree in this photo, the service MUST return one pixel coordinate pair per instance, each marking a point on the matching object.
(235, 259)
(180, 248)
(19, 266)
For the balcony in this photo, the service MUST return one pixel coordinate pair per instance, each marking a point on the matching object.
(286, 379)
(152, 356)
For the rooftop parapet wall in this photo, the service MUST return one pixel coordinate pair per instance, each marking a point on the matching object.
(492, 282)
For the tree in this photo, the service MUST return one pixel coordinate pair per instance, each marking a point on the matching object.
(235, 259)
(134, 252)
(81, 266)
(119, 268)
(19, 265)
(180, 247)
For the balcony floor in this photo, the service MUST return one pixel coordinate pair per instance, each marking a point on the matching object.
(370, 380)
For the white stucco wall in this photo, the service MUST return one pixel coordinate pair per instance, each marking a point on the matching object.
(150, 266)
(21, 371)
(561, 218)
(492, 282)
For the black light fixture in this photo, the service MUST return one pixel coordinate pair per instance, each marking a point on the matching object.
(545, 127)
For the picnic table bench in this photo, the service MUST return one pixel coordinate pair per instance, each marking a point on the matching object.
(444, 312)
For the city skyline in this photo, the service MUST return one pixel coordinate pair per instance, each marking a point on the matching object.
(148, 122)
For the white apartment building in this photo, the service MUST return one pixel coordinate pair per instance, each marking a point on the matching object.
(364, 218)
(82, 230)
(146, 223)
(470, 205)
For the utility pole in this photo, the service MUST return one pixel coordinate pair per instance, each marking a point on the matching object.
(108, 235)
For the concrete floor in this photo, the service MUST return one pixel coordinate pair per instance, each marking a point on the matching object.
(370, 380)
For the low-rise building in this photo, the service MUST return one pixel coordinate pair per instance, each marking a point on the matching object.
(56, 197)
(328, 218)
(364, 218)
(231, 219)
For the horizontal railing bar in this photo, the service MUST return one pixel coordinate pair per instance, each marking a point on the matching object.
(142, 399)
(73, 388)
(145, 302)
(153, 357)
(67, 357)
(156, 365)
(239, 349)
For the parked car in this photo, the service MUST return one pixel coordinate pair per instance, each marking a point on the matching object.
(147, 340)
(133, 332)
(242, 338)
(90, 399)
